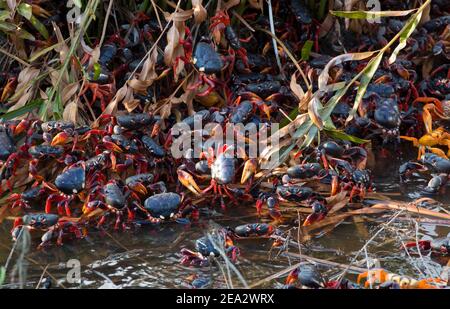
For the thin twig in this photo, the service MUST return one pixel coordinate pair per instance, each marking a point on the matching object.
(274, 41)
(368, 242)
(157, 14)
(42, 276)
(14, 57)
(105, 24)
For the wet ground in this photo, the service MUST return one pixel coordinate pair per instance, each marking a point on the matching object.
(149, 257)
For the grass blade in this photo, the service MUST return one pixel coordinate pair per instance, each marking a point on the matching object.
(306, 49)
(338, 134)
(22, 110)
(367, 76)
(405, 34)
(370, 14)
(2, 275)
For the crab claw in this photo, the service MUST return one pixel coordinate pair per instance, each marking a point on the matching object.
(111, 146)
(319, 212)
(371, 277)
(188, 181)
(259, 205)
(156, 129)
(60, 139)
(249, 170)
(18, 221)
(423, 244)
(312, 218)
(265, 109)
(140, 188)
(292, 277)
(21, 127)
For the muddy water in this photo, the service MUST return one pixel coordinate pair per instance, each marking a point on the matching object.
(149, 257)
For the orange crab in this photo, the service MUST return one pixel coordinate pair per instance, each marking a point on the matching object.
(432, 137)
(379, 276)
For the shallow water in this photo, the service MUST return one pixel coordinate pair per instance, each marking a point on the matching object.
(149, 257)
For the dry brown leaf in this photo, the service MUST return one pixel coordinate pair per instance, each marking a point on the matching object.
(412, 209)
(165, 110)
(131, 105)
(148, 71)
(296, 88)
(324, 75)
(256, 4)
(326, 25)
(25, 87)
(336, 219)
(70, 112)
(111, 108)
(425, 15)
(173, 39)
(139, 85)
(11, 4)
(313, 112)
(179, 16)
(200, 13)
(62, 47)
(68, 92)
(337, 202)
(188, 98)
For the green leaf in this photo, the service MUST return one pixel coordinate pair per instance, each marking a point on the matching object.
(78, 3)
(306, 49)
(292, 115)
(8, 27)
(39, 27)
(23, 34)
(4, 15)
(58, 107)
(25, 10)
(22, 110)
(2, 274)
(405, 33)
(312, 133)
(42, 52)
(322, 7)
(369, 71)
(144, 6)
(344, 136)
(97, 71)
(370, 14)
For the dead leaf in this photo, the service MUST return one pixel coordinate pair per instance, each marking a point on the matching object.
(148, 71)
(179, 16)
(425, 15)
(139, 85)
(326, 25)
(69, 91)
(256, 4)
(70, 112)
(296, 88)
(25, 88)
(111, 108)
(11, 4)
(412, 209)
(200, 13)
(131, 105)
(324, 75)
(165, 110)
(313, 112)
